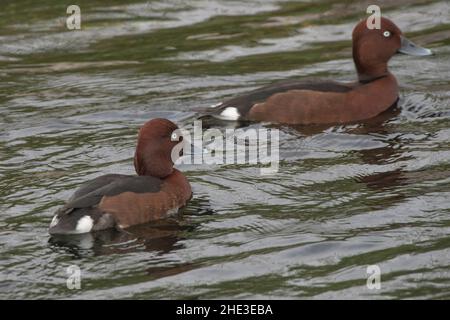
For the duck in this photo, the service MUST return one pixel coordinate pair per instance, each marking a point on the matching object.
(118, 201)
(308, 102)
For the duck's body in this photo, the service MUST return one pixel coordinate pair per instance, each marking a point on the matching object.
(323, 102)
(116, 200)
(309, 102)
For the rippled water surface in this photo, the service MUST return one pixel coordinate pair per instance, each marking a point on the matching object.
(348, 196)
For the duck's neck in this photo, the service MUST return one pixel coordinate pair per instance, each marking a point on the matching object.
(367, 73)
(371, 79)
(367, 67)
(155, 166)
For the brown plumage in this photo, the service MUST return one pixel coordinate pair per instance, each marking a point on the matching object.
(117, 200)
(323, 102)
(131, 208)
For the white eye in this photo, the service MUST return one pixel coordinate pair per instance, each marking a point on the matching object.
(174, 137)
(387, 34)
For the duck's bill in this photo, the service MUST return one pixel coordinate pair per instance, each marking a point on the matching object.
(409, 47)
(193, 149)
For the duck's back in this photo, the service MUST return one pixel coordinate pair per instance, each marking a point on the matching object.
(313, 102)
(241, 105)
(131, 208)
(121, 200)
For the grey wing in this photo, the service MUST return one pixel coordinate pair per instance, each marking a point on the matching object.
(94, 184)
(245, 102)
(93, 191)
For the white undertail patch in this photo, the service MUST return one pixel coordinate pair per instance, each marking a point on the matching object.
(84, 225)
(230, 113)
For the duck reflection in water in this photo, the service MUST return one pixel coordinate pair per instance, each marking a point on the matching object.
(162, 236)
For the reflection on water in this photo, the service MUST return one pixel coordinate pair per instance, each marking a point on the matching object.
(148, 237)
(159, 236)
(346, 196)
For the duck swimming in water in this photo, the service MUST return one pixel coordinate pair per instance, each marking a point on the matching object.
(120, 201)
(328, 102)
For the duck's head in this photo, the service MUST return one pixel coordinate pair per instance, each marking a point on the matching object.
(372, 48)
(154, 151)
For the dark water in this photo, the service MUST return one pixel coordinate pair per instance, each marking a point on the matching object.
(375, 193)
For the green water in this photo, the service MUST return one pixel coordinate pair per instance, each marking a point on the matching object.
(349, 196)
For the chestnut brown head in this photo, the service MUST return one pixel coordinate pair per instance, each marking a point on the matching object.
(156, 140)
(373, 48)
